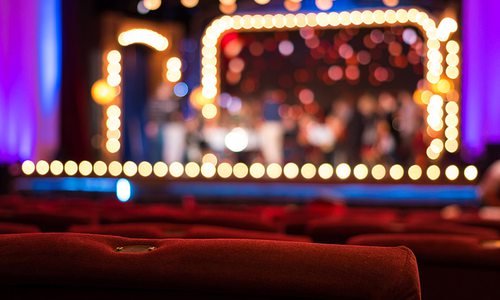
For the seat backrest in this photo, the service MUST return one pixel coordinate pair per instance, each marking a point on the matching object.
(451, 266)
(246, 269)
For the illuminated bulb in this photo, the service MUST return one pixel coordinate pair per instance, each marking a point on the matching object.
(378, 172)
(391, 3)
(236, 140)
(240, 170)
(160, 169)
(114, 57)
(28, 167)
(449, 24)
(70, 168)
(152, 4)
(262, 2)
(433, 172)
(228, 8)
(115, 168)
(176, 169)
(360, 171)
(174, 76)
(174, 63)
(308, 171)
(129, 168)
(189, 3)
(291, 170)
(470, 173)
(42, 167)
(85, 168)
(325, 171)
(208, 170)
(209, 158)
(273, 170)
(100, 168)
(209, 111)
(452, 47)
(257, 170)
(113, 111)
(102, 93)
(396, 172)
(224, 170)
(192, 169)
(324, 4)
(343, 171)
(452, 172)
(451, 108)
(451, 146)
(113, 145)
(56, 168)
(143, 36)
(145, 169)
(415, 172)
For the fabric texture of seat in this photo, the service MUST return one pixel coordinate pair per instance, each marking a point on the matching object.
(48, 262)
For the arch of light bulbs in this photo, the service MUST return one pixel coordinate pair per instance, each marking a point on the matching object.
(112, 73)
(439, 95)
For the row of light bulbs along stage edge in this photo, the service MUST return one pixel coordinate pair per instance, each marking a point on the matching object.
(209, 168)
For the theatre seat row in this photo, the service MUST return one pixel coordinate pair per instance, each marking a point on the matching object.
(79, 266)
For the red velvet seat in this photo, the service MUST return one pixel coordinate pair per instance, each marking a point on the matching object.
(55, 265)
(338, 231)
(451, 267)
(17, 228)
(164, 230)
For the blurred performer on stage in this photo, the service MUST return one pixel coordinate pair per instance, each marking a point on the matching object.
(271, 130)
(166, 115)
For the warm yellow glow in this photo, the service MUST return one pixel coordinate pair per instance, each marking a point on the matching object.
(240, 170)
(115, 168)
(257, 170)
(452, 172)
(262, 2)
(396, 172)
(102, 92)
(145, 169)
(100, 168)
(129, 168)
(70, 168)
(189, 3)
(176, 169)
(42, 167)
(360, 171)
(174, 63)
(451, 146)
(470, 172)
(452, 108)
(273, 170)
(192, 169)
(113, 145)
(28, 167)
(324, 4)
(431, 154)
(224, 170)
(174, 76)
(113, 111)
(325, 171)
(308, 171)
(415, 172)
(343, 171)
(433, 172)
(452, 47)
(152, 4)
(85, 168)
(291, 170)
(143, 36)
(208, 170)
(209, 158)
(451, 133)
(209, 111)
(452, 72)
(391, 3)
(114, 57)
(160, 169)
(378, 172)
(56, 168)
